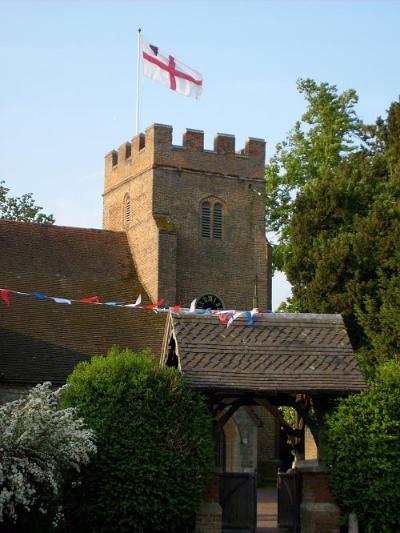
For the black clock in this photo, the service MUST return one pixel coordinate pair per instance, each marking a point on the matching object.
(209, 301)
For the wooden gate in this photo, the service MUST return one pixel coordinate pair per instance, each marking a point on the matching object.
(289, 501)
(238, 499)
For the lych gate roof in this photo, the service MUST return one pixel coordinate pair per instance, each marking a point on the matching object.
(42, 340)
(285, 353)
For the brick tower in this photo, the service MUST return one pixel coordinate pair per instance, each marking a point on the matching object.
(194, 217)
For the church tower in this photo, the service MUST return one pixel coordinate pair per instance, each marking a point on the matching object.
(194, 217)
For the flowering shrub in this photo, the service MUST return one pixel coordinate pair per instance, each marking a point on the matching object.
(38, 442)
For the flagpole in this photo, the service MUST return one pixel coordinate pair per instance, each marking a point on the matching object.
(138, 79)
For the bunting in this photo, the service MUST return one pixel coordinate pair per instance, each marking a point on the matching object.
(226, 316)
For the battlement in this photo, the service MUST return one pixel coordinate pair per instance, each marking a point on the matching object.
(154, 148)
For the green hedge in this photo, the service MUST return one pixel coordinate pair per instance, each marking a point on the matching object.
(363, 449)
(154, 439)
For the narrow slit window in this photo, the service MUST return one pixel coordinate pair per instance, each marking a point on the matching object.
(217, 226)
(127, 211)
(205, 220)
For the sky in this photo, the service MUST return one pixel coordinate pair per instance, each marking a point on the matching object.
(68, 81)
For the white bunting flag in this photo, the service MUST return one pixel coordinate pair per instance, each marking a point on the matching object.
(62, 301)
(168, 71)
(137, 303)
(193, 306)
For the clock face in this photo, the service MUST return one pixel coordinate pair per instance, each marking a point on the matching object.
(209, 301)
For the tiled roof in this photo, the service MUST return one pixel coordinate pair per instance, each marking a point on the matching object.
(285, 353)
(41, 340)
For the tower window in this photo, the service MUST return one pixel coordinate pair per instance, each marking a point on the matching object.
(211, 219)
(206, 219)
(217, 223)
(127, 211)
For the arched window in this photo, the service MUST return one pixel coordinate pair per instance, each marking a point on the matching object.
(127, 211)
(211, 218)
(217, 221)
(206, 220)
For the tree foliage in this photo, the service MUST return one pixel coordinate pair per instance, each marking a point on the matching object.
(362, 446)
(22, 208)
(154, 444)
(39, 442)
(313, 150)
(333, 197)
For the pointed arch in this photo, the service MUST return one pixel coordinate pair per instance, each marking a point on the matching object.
(232, 446)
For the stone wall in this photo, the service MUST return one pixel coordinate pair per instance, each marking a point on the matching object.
(245, 433)
(267, 446)
(310, 447)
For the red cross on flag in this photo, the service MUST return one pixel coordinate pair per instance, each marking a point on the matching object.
(167, 70)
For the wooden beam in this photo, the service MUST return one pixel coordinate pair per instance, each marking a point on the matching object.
(224, 415)
(279, 416)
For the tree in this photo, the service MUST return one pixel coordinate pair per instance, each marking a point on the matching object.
(362, 446)
(379, 315)
(333, 258)
(345, 236)
(21, 208)
(155, 447)
(312, 151)
(339, 222)
(39, 442)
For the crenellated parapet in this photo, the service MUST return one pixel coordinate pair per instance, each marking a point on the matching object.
(156, 192)
(155, 149)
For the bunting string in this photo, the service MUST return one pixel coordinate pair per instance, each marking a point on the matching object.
(225, 317)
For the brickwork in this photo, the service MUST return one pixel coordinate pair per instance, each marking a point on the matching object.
(209, 518)
(166, 185)
(319, 512)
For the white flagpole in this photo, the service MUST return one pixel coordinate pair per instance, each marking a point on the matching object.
(138, 79)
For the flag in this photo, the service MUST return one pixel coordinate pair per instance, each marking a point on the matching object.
(167, 70)
(5, 296)
(62, 300)
(153, 306)
(90, 300)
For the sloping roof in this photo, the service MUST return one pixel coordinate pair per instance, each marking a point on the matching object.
(280, 353)
(41, 340)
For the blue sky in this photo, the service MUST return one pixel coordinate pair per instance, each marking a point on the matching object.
(68, 77)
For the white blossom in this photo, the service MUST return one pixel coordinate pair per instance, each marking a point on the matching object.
(38, 442)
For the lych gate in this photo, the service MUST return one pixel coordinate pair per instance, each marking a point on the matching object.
(297, 360)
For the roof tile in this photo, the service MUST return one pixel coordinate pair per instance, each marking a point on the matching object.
(284, 352)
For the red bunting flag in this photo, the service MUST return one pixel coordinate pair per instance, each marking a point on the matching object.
(5, 296)
(225, 317)
(90, 300)
(176, 308)
(152, 306)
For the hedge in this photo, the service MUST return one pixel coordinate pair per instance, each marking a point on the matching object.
(363, 449)
(154, 441)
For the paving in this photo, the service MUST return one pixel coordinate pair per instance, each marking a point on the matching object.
(267, 510)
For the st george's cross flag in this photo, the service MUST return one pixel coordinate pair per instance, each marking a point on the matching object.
(167, 70)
